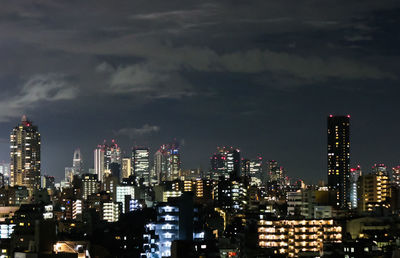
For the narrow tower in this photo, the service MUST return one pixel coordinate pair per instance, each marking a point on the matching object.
(339, 157)
(25, 155)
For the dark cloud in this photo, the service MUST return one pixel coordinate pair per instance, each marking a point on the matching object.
(135, 132)
(261, 75)
(38, 89)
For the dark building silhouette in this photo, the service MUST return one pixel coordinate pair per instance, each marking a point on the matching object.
(339, 157)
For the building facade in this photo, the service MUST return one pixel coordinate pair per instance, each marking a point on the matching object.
(25, 155)
(141, 164)
(293, 238)
(339, 157)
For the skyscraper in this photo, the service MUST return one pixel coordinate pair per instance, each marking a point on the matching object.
(99, 162)
(355, 173)
(167, 162)
(5, 172)
(396, 176)
(77, 162)
(339, 157)
(25, 155)
(77, 167)
(160, 164)
(104, 155)
(174, 161)
(126, 167)
(141, 165)
(225, 162)
(255, 170)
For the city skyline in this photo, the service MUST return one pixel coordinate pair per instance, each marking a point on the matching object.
(188, 129)
(257, 76)
(206, 166)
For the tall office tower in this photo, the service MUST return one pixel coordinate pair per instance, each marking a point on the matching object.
(25, 155)
(90, 185)
(99, 162)
(112, 154)
(5, 171)
(355, 173)
(104, 155)
(126, 167)
(255, 171)
(69, 174)
(141, 165)
(245, 167)
(161, 164)
(226, 162)
(275, 172)
(174, 161)
(396, 176)
(339, 157)
(272, 168)
(379, 169)
(77, 162)
(233, 162)
(48, 182)
(218, 165)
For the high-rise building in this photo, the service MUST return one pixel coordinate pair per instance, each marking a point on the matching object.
(174, 161)
(104, 155)
(177, 219)
(380, 169)
(291, 237)
(141, 164)
(99, 162)
(225, 162)
(123, 192)
(90, 185)
(255, 171)
(111, 211)
(77, 162)
(112, 154)
(126, 167)
(69, 174)
(76, 169)
(167, 162)
(161, 164)
(374, 190)
(396, 176)
(245, 167)
(25, 155)
(275, 172)
(5, 171)
(355, 173)
(47, 182)
(339, 157)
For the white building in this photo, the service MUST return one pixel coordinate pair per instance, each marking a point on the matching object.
(111, 211)
(123, 191)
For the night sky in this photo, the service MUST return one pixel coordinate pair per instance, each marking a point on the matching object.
(259, 75)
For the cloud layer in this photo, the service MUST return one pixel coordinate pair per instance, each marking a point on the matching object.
(132, 133)
(38, 90)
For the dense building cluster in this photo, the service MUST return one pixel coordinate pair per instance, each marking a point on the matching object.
(147, 205)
